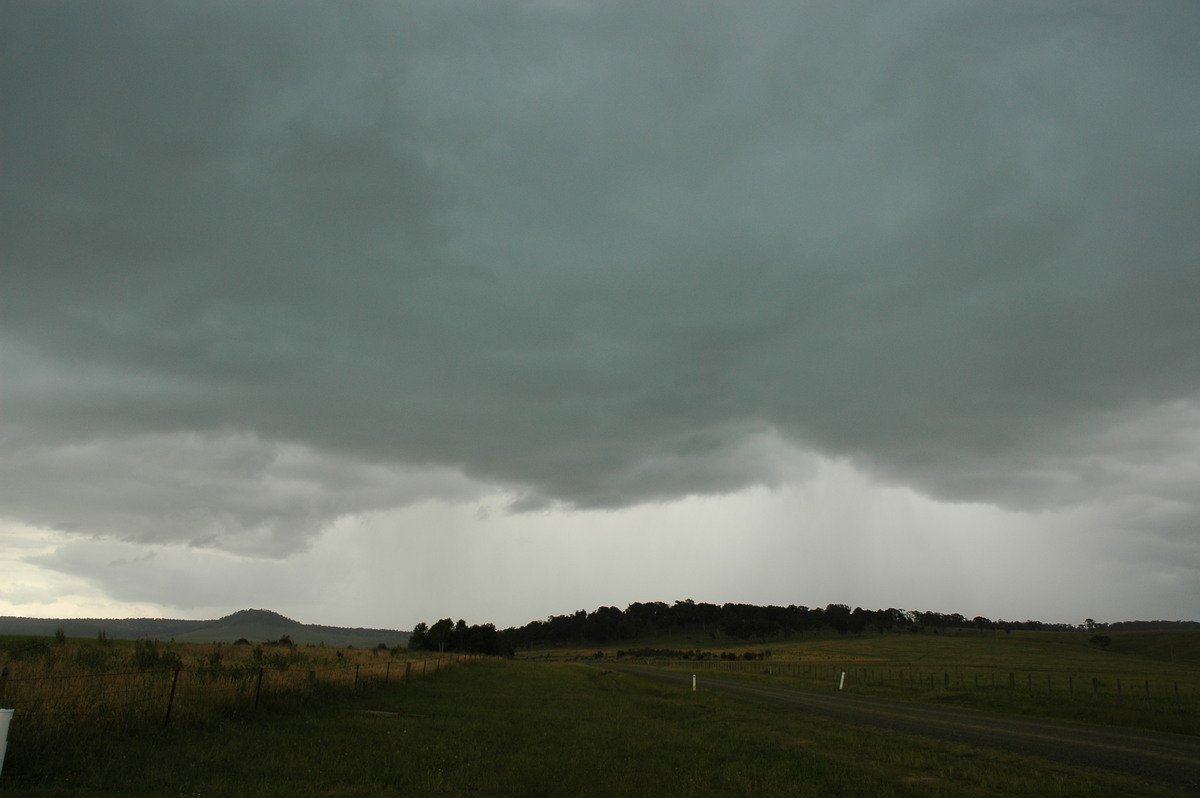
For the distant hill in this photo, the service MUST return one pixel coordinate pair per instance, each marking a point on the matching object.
(257, 626)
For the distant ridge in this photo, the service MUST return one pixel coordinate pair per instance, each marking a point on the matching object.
(255, 626)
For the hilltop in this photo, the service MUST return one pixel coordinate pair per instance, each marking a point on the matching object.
(252, 624)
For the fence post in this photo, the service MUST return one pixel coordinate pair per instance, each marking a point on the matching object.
(387, 673)
(3, 682)
(258, 689)
(170, 698)
(407, 670)
(356, 667)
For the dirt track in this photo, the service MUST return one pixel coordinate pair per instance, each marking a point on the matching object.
(1170, 758)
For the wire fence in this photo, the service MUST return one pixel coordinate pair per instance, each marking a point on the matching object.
(1155, 693)
(1027, 681)
(171, 696)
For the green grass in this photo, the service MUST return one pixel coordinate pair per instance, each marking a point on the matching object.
(1167, 651)
(1025, 694)
(1176, 648)
(1046, 674)
(518, 728)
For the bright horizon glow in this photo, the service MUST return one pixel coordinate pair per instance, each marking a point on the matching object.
(837, 538)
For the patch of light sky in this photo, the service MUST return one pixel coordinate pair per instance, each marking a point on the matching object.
(835, 538)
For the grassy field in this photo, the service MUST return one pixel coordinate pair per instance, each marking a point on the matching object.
(57, 684)
(543, 725)
(960, 647)
(1142, 679)
(522, 728)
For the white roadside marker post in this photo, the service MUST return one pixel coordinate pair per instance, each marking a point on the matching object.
(842, 681)
(5, 718)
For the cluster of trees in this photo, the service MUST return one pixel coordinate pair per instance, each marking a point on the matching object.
(446, 635)
(1141, 626)
(742, 621)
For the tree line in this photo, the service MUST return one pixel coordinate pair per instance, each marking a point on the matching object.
(743, 622)
(446, 635)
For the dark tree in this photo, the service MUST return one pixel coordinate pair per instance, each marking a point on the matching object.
(441, 635)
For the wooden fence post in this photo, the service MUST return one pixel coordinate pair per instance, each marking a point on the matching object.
(3, 682)
(170, 698)
(258, 689)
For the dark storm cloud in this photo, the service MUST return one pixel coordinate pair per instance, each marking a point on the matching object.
(596, 253)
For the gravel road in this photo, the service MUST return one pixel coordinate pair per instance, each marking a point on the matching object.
(1170, 758)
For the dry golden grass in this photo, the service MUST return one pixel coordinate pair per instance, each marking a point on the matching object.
(57, 683)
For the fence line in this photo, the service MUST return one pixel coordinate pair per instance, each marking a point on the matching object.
(169, 695)
(1049, 684)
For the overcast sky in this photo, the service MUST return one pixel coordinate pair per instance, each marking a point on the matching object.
(375, 313)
